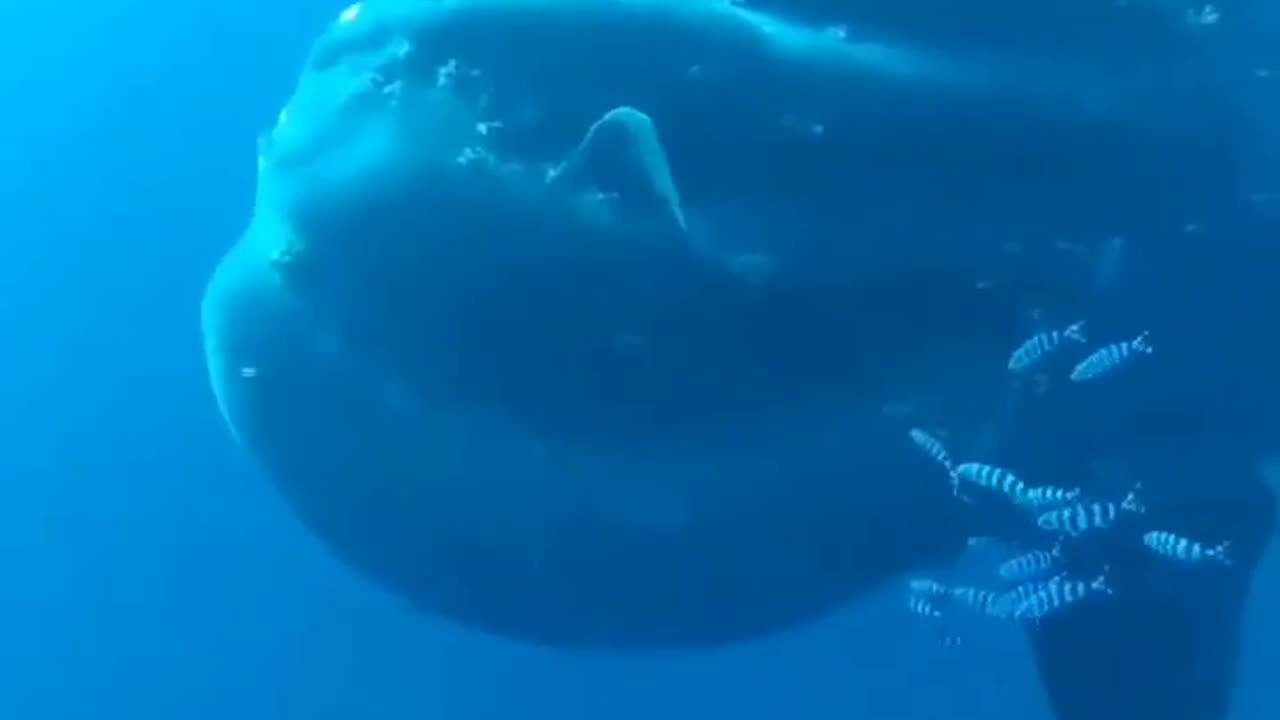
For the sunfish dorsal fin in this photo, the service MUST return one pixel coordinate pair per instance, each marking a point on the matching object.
(622, 155)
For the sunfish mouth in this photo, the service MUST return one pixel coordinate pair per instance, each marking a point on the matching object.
(598, 346)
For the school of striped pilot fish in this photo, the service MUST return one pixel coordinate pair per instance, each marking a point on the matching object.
(1031, 584)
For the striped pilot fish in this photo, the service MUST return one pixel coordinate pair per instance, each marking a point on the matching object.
(987, 602)
(993, 478)
(1053, 595)
(1038, 346)
(936, 451)
(926, 587)
(1082, 517)
(1045, 495)
(1029, 565)
(932, 447)
(1186, 550)
(1109, 357)
(922, 606)
(1022, 592)
(926, 606)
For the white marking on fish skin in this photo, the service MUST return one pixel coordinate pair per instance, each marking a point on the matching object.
(452, 73)
(1109, 357)
(349, 15)
(1186, 550)
(474, 156)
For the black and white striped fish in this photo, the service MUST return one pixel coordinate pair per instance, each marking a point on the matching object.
(1109, 357)
(1079, 518)
(1020, 593)
(1183, 549)
(1058, 593)
(1044, 495)
(1011, 486)
(1029, 565)
(937, 452)
(932, 447)
(926, 606)
(1036, 347)
(987, 602)
(926, 587)
(992, 478)
(922, 606)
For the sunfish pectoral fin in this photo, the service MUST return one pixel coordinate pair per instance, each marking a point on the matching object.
(622, 155)
(1166, 644)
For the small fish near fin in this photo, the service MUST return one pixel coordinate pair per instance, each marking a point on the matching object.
(1160, 647)
(622, 155)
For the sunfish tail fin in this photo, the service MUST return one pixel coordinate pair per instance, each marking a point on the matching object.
(1164, 645)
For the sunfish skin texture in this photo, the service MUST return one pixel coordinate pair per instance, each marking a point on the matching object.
(592, 347)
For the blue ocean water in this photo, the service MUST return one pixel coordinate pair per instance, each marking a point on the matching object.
(151, 572)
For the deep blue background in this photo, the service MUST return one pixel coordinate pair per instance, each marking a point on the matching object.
(147, 571)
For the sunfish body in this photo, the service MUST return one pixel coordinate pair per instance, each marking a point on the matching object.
(575, 321)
